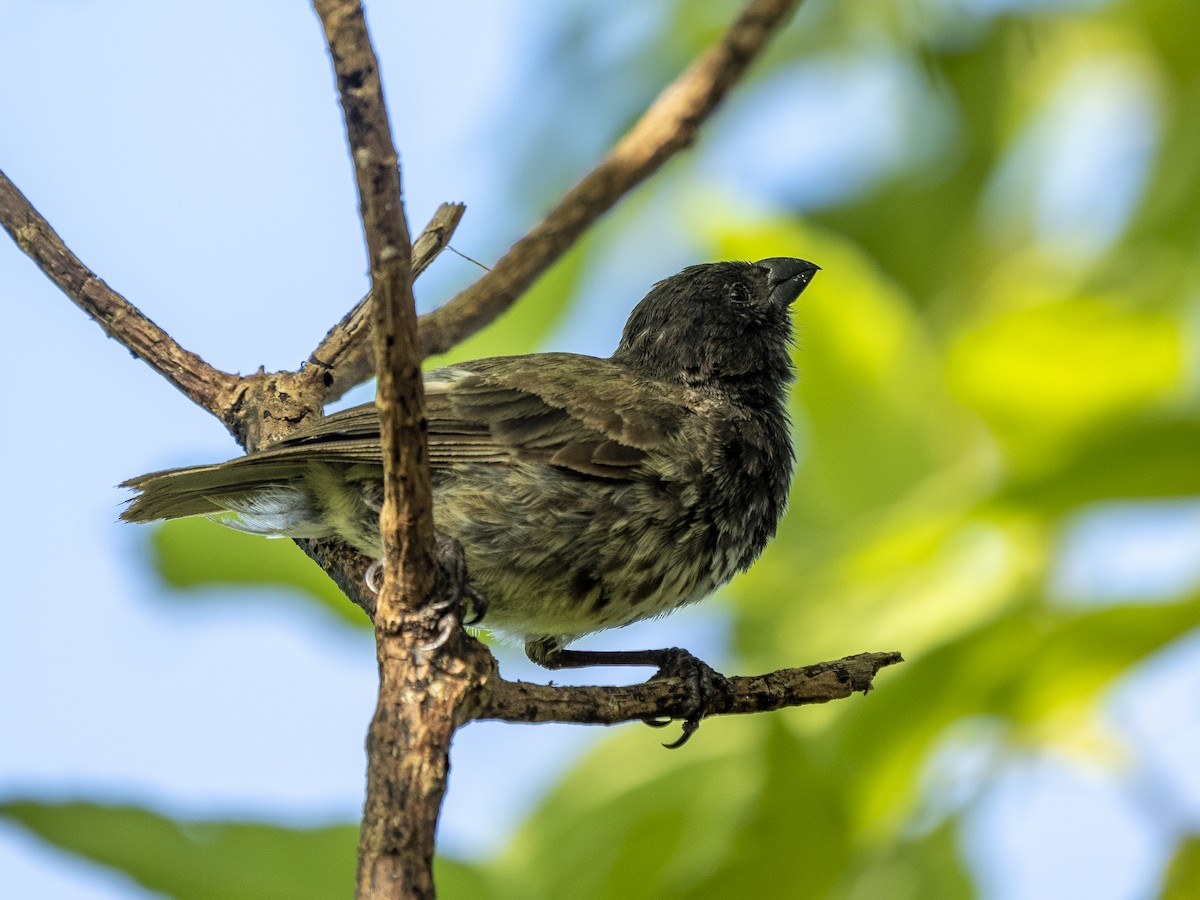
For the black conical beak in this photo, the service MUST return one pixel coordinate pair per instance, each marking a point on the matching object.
(788, 277)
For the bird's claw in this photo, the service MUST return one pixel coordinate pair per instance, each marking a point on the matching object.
(446, 625)
(706, 688)
(453, 598)
(453, 586)
(475, 606)
(373, 577)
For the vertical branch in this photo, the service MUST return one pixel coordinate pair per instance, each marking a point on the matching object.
(407, 519)
(409, 739)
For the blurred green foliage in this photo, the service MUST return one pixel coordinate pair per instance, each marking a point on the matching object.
(1183, 877)
(974, 377)
(196, 554)
(232, 860)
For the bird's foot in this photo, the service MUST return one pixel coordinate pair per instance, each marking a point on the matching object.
(452, 585)
(707, 689)
(454, 599)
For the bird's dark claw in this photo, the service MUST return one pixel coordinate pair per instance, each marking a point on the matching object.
(453, 587)
(453, 601)
(707, 688)
(454, 598)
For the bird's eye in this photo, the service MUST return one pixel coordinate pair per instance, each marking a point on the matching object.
(739, 293)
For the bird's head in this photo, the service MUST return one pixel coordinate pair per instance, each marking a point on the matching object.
(725, 323)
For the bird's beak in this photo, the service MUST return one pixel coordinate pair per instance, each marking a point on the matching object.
(787, 277)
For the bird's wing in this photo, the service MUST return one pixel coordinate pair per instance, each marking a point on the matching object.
(578, 412)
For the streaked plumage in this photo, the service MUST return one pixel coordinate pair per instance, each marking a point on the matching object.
(587, 493)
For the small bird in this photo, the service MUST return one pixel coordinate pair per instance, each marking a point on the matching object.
(586, 493)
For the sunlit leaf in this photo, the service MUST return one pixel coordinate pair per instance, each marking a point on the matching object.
(1046, 375)
(1183, 876)
(200, 860)
(191, 554)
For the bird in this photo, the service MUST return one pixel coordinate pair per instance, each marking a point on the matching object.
(586, 493)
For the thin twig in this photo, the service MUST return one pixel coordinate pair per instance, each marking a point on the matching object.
(345, 356)
(517, 701)
(667, 126)
(204, 385)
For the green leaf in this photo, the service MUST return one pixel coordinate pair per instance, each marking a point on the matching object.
(1039, 668)
(457, 880)
(795, 839)
(1150, 457)
(1050, 375)
(634, 821)
(912, 869)
(196, 554)
(200, 860)
(221, 860)
(1183, 876)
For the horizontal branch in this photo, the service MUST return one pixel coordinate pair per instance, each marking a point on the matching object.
(518, 701)
(206, 386)
(667, 126)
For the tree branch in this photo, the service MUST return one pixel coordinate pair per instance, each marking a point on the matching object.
(409, 739)
(517, 701)
(667, 126)
(428, 688)
(407, 519)
(204, 385)
(345, 357)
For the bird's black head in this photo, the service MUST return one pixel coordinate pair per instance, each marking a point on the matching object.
(724, 324)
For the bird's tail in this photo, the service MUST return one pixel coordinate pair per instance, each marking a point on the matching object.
(262, 495)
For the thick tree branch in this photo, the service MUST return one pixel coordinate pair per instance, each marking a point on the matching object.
(667, 126)
(409, 739)
(345, 357)
(209, 388)
(517, 701)
(407, 517)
